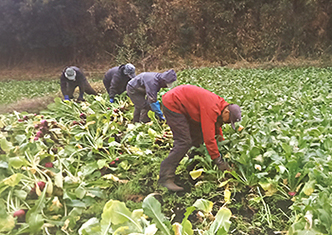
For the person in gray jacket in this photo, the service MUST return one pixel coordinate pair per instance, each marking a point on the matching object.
(71, 78)
(143, 91)
(116, 79)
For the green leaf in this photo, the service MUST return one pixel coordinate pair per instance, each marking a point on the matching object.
(3, 164)
(327, 144)
(89, 169)
(204, 205)
(309, 187)
(117, 213)
(101, 163)
(16, 162)
(287, 148)
(13, 180)
(6, 145)
(20, 138)
(221, 223)
(90, 227)
(35, 222)
(7, 222)
(76, 203)
(152, 208)
(186, 224)
(125, 165)
(33, 217)
(21, 194)
(152, 133)
(80, 192)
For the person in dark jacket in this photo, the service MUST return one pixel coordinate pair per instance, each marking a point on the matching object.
(71, 78)
(195, 115)
(116, 79)
(143, 91)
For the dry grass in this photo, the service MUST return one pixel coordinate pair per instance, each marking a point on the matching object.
(34, 105)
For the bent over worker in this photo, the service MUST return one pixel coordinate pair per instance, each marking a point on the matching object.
(195, 115)
(71, 78)
(143, 91)
(116, 79)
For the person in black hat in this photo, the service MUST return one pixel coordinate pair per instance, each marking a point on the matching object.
(195, 115)
(116, 79)
(71, 78)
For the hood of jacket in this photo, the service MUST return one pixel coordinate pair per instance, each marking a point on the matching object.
(166, 77)
(121, 68)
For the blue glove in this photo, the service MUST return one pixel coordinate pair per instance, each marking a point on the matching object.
(111, 100)
(155, 107)
(67, 97)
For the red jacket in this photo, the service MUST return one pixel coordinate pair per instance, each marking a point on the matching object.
(202, 106)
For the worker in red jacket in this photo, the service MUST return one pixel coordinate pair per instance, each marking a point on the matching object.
(195, 115)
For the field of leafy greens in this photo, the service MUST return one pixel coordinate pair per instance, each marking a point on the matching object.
(83, 168)
(11, 91)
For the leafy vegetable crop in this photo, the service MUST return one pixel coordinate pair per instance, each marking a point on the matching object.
(83, 168)
(11, 91)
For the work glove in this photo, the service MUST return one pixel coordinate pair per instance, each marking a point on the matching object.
(67, 97)
(221, 164)
(155, 107)
(111, 100)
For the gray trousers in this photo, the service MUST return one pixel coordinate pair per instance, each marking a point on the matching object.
(186, 133)
(141, 104)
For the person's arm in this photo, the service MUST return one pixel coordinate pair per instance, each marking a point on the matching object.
(221, 135)
(115, 86)
(208, 123)
(208, 129)
(63, 85)
(152, 87)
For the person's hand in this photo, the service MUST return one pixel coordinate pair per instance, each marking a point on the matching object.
(155, 107)
(111, 100)
(67, 97)
(221, 164)
(160, 117)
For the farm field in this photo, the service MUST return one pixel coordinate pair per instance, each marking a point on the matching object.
(11, 90)
(83, 168)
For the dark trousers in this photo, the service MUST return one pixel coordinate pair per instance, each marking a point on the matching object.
(142, 106)
(87, 89)
(107, 84)
(186, 133)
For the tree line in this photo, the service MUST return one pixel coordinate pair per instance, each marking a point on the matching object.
(161, 31)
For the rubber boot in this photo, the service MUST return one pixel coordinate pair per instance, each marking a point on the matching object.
(170, 185)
